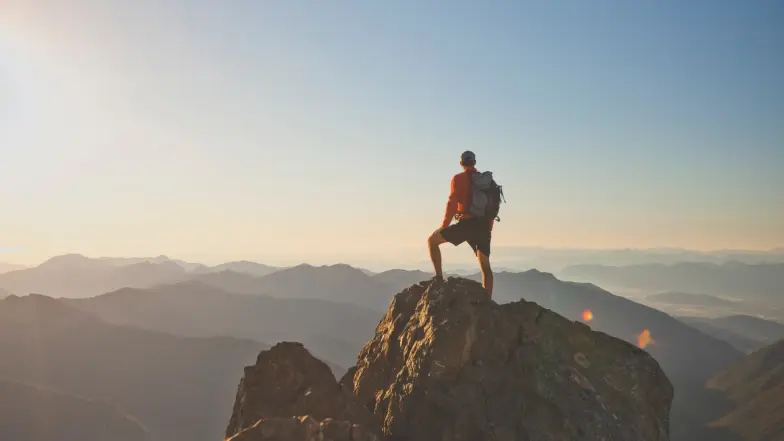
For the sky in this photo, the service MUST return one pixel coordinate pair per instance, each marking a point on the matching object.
(303, 130)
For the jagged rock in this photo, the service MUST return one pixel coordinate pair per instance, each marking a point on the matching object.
(287, 381)
(449, 364)
(303, 429)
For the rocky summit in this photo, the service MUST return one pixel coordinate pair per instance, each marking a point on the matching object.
(448, 364)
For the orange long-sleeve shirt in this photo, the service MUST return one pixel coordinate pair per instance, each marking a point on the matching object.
(460, 197)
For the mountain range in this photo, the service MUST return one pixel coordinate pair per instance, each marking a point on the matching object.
(74, 275)
(334, 331)
(731, 279)
(33, 413)
(746, 333)
(556, 260)
(689, 298)
(755, 385)
(6, 267)
(176, 387)
(334, 309)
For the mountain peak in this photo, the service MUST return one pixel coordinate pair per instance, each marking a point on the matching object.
(448, 363)
(755, 385)
(41, 310)
(68, 261)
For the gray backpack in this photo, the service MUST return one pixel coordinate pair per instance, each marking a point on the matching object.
(486, 196)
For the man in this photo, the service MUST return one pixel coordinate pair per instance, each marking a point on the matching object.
(469, 228)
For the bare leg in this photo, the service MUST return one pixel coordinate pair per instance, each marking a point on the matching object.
(434, 242)
(487, 272)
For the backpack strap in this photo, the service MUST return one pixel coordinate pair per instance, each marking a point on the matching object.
(469, 176)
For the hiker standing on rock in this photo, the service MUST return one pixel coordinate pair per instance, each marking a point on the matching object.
(474, 200)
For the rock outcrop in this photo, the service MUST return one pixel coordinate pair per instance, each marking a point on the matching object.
(449, 364)
(304, 429)
(288, 381)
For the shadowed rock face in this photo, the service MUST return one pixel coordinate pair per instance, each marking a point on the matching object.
(449, 364)
(288, 381)
(304, 429)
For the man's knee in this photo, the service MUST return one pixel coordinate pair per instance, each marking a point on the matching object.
(435, 239)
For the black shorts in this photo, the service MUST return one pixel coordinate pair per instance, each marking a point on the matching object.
(475, 231)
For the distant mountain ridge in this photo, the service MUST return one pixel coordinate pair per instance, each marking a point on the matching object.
(733, 279)
(77, 276)
(122, 261)
(335, 331)
(556, 260)
(177, 387)
(6, 267)
(338, 283)
(242, 266)
(32, 413)
(745, 332)
(688, 298)
(74, 275)
(756, 386)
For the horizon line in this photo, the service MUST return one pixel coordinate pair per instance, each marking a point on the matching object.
(339, 261)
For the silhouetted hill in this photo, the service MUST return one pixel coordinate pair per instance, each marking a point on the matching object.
(393, 281)
(739, 342)
(242, 266)
(766, 331)
(764, 280)
(231, 281)
(756, 387)
(745, 332)
(30, 413)
(688, 298)
(335, 331)
(340, 283)
(556, 259)
(74, 275)
(122, 261)
(178, 388)
(6, 267)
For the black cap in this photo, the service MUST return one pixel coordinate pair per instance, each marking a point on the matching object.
(467, 155)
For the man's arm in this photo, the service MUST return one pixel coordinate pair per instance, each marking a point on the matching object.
(451, 205)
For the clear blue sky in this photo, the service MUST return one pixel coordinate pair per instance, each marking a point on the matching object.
(306, 130)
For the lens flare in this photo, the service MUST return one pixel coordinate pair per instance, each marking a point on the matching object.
(587, 315)
(644, 339)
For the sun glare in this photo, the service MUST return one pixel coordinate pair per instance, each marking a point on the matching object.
(644, 339)
(587, 315)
